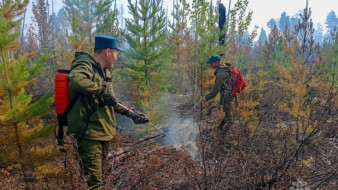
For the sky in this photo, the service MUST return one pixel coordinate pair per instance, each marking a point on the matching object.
(263, 10)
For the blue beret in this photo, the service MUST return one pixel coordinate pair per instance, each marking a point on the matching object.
(104, 42)
(214, 58)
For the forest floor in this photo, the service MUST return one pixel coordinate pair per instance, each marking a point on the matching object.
(157, 161)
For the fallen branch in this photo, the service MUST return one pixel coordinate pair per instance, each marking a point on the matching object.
(131, 147)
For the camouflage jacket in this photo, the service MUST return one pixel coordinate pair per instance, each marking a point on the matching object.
(221, 85)
(89, 118)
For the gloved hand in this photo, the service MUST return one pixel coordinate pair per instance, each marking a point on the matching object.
(108, 96)
(138, 118)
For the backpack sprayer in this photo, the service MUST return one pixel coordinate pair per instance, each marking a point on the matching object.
(61, 102)
(63, 105)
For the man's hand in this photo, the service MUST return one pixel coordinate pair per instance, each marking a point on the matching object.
(204, 100)
(108, 96)
(138, 118)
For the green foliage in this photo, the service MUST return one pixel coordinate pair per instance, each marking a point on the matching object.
(10, 26)
(107, 22)
(300, 78)
(19, 115)
(43, 133)
(206, 34)
(181, 38)
(236, 30)
(41, 18)
(239, 21)
(81, 15)
(148, 68)
(331, 21)
(280, 119)
(330, 50)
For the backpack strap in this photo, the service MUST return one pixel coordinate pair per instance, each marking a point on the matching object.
(63, 121)
(92, 107)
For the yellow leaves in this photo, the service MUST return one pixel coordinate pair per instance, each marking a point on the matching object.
(48, 170)
(307, 162)
(315, 124)
(38, 125)
(152, 115)
(67, 57)
(285, 107)
(210, 80)
(4, 107)
(309, 129)
(299, 100)
(83, 45)
(247, 110)
(38, 152)
(12, 45)
(284, 74)
(283, 126)
(220, 112)
(146, 93)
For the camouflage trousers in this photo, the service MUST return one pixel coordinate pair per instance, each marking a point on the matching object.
(228, 118)
(91, 153)
(227, 108)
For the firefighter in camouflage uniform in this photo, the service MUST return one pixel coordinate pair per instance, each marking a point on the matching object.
(224, 87)
(92, 118)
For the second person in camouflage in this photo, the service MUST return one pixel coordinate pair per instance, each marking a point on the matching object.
(222, 85)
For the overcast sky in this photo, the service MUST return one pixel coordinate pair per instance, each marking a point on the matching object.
(263, 10)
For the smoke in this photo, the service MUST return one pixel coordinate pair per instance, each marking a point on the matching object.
(180, 129)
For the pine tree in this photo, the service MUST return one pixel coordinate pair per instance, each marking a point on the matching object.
(208, 43)
(301, 77)
(31, 42)
(181, 38)
(239, 22)
(198, 17)
(262, 36)
(330, 49)
(318, 35)
(273, 51)
(46, 43)
(283, 22)
(107, 22)
(293, 23)
(271, 24)
(20, 122)
(206, 34)
(149, 57)
(331, 21)
(41, 18)
(82, 15)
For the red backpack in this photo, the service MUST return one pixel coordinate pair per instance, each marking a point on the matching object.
(237, 81)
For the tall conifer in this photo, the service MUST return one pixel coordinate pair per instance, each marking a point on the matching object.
(82, 16)
(20, 122)
(146, 37)
(108, 21)
(180, 36)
